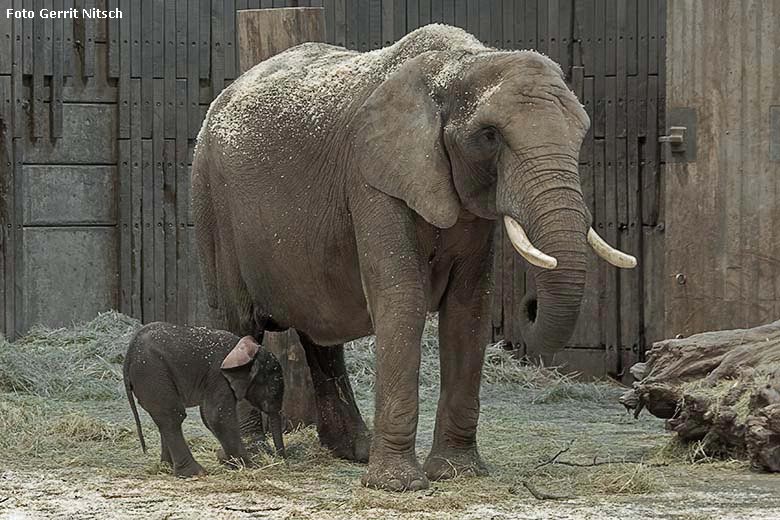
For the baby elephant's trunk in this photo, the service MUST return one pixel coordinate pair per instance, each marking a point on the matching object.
(275, 424)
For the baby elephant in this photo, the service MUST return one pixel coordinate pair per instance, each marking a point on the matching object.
(171, 367)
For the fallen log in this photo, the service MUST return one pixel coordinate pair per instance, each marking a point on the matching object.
(718, 388)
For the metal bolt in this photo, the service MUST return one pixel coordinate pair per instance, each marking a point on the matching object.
(680, 278)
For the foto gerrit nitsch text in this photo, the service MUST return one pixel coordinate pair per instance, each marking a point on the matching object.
(63, 13)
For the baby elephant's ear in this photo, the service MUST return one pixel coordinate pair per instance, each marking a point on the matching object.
(242, 354)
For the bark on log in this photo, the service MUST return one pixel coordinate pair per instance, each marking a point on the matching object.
(263, 33)
(721, 388)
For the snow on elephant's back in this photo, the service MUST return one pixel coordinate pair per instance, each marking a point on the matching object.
(315, 82)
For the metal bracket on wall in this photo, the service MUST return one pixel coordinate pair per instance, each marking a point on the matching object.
(680, 141)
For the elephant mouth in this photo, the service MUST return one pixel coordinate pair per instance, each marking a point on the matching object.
(529, 308)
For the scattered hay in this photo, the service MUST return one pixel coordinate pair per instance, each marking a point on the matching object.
(80, 362)
(75, 417)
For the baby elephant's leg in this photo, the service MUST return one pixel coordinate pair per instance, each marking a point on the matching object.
(219, 416)
(165, 453)
(169, 424)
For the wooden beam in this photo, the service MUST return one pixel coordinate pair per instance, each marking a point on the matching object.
(264, 33)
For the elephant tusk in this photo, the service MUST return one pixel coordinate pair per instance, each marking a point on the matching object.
(609, 253)
(524, 246)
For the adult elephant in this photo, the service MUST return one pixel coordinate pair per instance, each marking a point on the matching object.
(345, 194)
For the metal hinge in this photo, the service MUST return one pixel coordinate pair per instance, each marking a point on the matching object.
(680, 140)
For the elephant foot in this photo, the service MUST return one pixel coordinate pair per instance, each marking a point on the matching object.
(349, 445)
(449, 463)
(395, 473)
(191, 469)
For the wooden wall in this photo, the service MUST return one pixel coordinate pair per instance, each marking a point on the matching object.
(100, 119)
(723, 201)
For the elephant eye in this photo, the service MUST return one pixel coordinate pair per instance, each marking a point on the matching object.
(489, 134)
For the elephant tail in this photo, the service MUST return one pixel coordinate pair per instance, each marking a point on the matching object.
(133, 408)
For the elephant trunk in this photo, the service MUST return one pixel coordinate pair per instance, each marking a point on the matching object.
(545, 201)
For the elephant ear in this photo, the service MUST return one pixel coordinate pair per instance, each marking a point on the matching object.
(398, 145)
(237, 365)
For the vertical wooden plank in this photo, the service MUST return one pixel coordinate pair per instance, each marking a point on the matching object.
(182, 203)
(650, 178)
(496, 25)
(461, 13)
(424, 12)
(38, 94)
(612, 322)
(530, 30)
(584, 12)
(519, 24)
(17, 280)
(541, 26)
(375, 24)
(652, 34)
(632, 297)
(45, 28)
(169, 69)
(399, 18)
(28, 35)
(352, 25)
(193, 66)
(472, 17)
(7, 246)
(508, 22)
(113, 41)
(217, 48)
(169, 230)
(565, 35)
(553, 13)
(364, 26)
(448, 14)
(330, 19)
(88, 63)
(340, 23)
(55, 97)
(611, 36)
(147, 250)
(67, 38)
(158, 207)
(6, 47)
(412, 15)
(137, 184)
(181, 37)
(125, 226)
(484, 21)
(205, 38)
(229, 41)
(18, 72)
(125, 67)
(158, 38)
(387, 19)
(630, 43)
(136, 24)
(437, 10)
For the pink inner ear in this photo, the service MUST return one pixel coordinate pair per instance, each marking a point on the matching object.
(242, 354)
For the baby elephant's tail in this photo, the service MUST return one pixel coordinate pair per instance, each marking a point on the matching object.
(131, 400)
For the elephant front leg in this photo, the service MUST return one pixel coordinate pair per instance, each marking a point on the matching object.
(464, 331)
(392, 463)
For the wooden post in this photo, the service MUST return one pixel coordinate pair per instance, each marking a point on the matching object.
(262, 33)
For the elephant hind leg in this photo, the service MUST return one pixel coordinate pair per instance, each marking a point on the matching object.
(340, 426)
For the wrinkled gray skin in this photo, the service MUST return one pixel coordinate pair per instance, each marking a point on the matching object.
(170, 368)
(346, 194)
